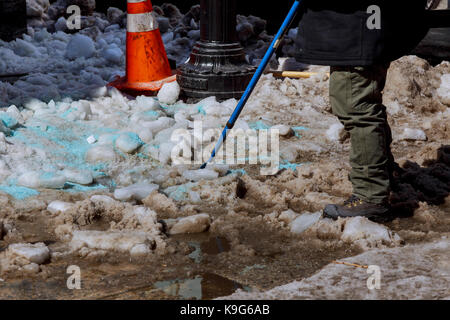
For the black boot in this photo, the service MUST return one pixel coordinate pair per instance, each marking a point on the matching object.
(355, 207)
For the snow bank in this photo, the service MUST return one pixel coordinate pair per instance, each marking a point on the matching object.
(407, 273)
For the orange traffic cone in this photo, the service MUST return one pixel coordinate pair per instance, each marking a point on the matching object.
(147, 66)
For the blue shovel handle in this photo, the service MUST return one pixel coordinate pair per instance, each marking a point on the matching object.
(251, 86)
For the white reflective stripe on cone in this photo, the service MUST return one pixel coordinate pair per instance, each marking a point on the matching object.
(141, 22)
(136, 1)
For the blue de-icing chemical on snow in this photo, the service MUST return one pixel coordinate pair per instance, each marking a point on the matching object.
(289, 166)
(20, 193)
(297, 129)
(259, 125)
(67, 150)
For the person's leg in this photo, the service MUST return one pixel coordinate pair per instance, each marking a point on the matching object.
(356, 99)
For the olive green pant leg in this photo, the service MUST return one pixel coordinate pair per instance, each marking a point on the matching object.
(356, 99)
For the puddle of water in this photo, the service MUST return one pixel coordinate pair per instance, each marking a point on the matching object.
(186, 289)
(215, 245)
(204, 243)
(195, 255)
(203, 286)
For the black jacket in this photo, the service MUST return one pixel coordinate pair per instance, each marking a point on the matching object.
(336, 32)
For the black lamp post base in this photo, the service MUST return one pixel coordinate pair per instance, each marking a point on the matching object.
(215, 69)
(217, 65)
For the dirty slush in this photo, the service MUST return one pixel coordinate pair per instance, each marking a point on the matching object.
(87, 178)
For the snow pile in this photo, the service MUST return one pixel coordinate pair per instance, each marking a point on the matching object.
(59, 65)
(413, 272)
(413, 134)
(414, 84)
(133, 242)
(192, 224)
(25, 257)
(132, 229)
(444, 89)
(358, 230)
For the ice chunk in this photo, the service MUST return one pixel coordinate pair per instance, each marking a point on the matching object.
(36, 253)
(144, 103)
(284, 130)
(15, 113)
(25, 49)
(80, 46)
(140, 250)
(59, 206)
(8, 120)
(31, 268)
(52, 180)
(165, 152)
(33, 179)
(35, 104)
(360, 228)
(91, 140)
(113, 55)
(334, 133)
(167, 37)
(123, 241)
(288, 216)
(444, 90)
(29, 179)
(169, 93)
(106, 139)
(413, 134)
(101, 153)
(137, 191)
(128, 142)
(103, 199)
(201, 174)
(61, 24)
(193, 224)
(78, 176)
(42, 35)
(145, 134)
(79, 110)
(304, 221)
(158, 125)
